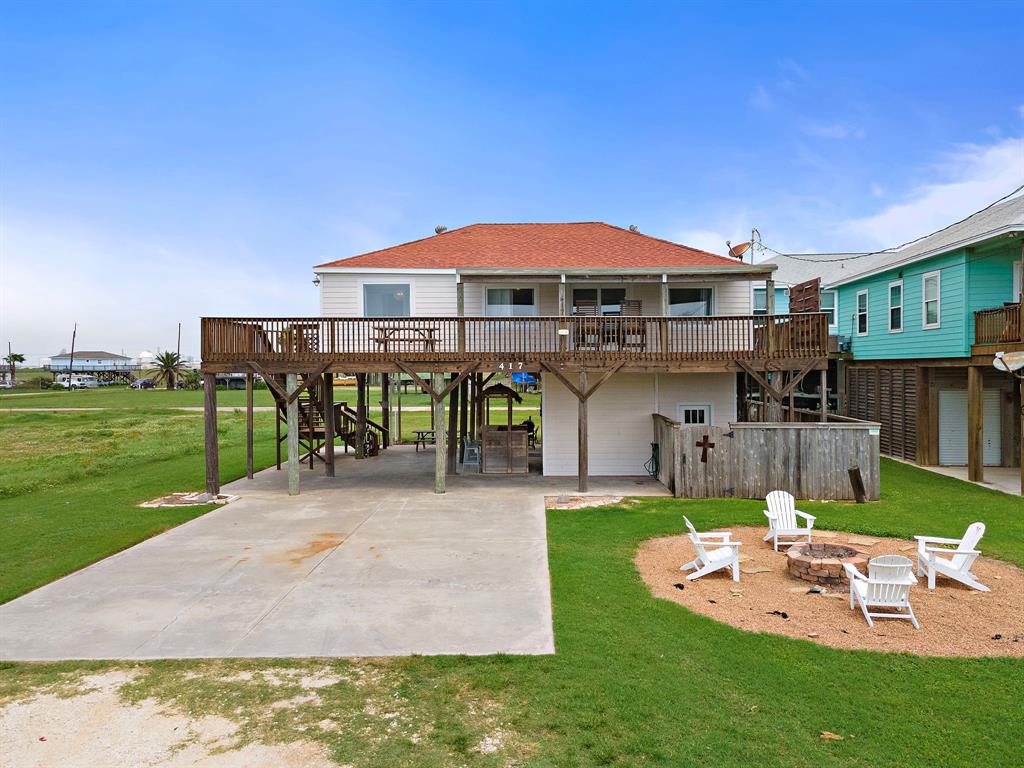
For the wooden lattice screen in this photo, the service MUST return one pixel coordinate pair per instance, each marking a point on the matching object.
(888, 396)
(806, 296)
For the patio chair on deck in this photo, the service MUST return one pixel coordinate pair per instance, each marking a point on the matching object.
(782, 517)
(633, 334)
(887, 585)
(588, 328)
(714, 552)
(954, 563)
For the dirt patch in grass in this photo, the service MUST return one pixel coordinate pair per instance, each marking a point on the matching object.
(580, 502)
(255, 714)
(92, 726)
(955, 620)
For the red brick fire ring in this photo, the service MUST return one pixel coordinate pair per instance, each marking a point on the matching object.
(822, 562)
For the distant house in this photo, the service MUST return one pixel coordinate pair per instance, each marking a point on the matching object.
(923, 324)
(105, 366)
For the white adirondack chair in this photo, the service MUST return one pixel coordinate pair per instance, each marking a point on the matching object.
(887, 585)
(955, 563)
(714, 551)
(782, 517)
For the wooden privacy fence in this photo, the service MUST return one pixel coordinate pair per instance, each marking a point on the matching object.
(810, 460)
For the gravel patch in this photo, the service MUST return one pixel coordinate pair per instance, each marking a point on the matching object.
(955, 620)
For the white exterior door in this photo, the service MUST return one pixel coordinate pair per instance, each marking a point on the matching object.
(953, 428)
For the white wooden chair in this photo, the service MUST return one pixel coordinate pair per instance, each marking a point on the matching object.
(955, 563)
(887, 585)
(714, 551)
(782, 517)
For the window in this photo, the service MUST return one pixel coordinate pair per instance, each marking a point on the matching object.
(862, 313)
(693, 413)
(931, 311)
(510, 302)
(386, 300)
(760, 302)
(896, 306)
(689, 302)
(608, 299)
(828, 306)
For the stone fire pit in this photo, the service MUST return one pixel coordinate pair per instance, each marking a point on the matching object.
(822, 563)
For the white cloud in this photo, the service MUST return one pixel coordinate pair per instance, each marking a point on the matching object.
(833, 130)
(761, 99)
(968, 179)
(127, 294)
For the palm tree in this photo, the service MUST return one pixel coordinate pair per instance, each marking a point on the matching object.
(167, 367)
(12, 360)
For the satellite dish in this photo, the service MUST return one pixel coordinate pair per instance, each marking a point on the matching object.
(440, 229)
(634, 228)
(1008, 362)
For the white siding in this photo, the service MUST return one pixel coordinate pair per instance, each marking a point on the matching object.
(619, 417)
(435, 295)
(341, 295)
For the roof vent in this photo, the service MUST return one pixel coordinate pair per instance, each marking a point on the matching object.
(440, 228)
(634, 228)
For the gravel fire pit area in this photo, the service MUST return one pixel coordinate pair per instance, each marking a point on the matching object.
(955, 620)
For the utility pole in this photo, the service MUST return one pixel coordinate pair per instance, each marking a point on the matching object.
(179, 341)
(71, 360)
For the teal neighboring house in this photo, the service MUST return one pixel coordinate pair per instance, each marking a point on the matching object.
(919, 328)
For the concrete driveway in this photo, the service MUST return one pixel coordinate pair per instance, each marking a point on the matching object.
(369, 563)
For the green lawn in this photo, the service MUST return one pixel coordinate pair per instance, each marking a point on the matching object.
(635, 682)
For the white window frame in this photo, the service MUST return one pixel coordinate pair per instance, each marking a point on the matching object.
(899, 306)
(709, 407)
(386, 280)
(1018, 280)
(536, 298)
(712, 302)
(834, 322)
(857, 313)
(938, 300)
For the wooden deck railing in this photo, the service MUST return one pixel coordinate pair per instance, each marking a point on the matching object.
(996, 326)
(535, 339)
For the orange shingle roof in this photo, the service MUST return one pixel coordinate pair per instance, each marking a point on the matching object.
(582, 245)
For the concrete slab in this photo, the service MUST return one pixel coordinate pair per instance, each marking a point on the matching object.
(369, 563)
(1005, 479)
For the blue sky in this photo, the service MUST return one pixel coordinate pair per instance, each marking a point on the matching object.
(163, 161)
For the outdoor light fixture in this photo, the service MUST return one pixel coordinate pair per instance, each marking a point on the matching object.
(316, 280)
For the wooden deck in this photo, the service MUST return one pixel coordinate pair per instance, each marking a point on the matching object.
(1000, 329)
(523, 343)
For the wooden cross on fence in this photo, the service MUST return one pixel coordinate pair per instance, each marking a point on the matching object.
(704, 444)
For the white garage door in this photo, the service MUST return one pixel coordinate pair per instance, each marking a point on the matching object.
(953, 428)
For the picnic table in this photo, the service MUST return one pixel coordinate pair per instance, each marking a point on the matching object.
(423, 436)
(423, 335)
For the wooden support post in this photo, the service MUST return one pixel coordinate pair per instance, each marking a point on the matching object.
(385, 408)
(248, 424)
(440, 443)
(769, 299)
(460, 310)
(330, 428)
(975, 425)
(292, 410)
(841, 406)
(665, 309)
(463, 417)
(474, 393)
(824, 396)
(561, 297)
(398, 413)
(277, 425)
(583, 470)
(210, 433)
(792, 405)
(923, 422)
(453, 430)
(360, 415)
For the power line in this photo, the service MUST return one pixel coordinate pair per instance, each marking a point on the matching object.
(893, 249)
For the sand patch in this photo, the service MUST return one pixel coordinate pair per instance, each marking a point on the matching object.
(94, 727)
(955, 620)
(580, 502)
